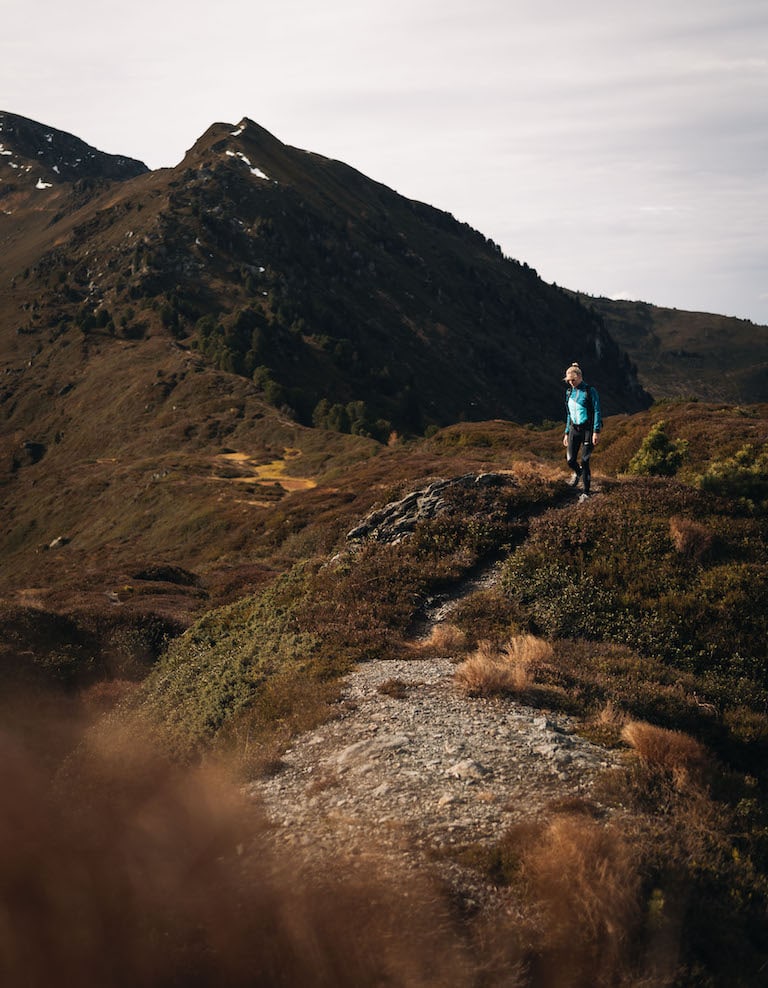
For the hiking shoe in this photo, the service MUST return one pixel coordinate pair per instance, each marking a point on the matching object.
(583, 497)
(574, 481)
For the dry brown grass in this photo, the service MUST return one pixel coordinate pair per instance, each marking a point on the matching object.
(612, 716)
(690, 538)
(606, 725)
(586, 881)
(535, 470)
(526, 654)
(575, 914)
(489, 671)
(445, 639)
(670, 753)
(128, 870)
(395, 688)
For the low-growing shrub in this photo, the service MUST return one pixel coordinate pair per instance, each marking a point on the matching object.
(489, 615)
(743, 475)
(613, 574)
(690, 538)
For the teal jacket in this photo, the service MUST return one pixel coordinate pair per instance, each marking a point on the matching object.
(582, 404)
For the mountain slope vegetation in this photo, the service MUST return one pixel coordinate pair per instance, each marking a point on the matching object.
(346, 303)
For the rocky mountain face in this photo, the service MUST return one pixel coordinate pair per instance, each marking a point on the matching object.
(47, 155)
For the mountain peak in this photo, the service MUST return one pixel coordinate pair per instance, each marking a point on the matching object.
(27, 146)
(247, 141)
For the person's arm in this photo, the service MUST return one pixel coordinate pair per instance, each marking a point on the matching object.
(597, 423)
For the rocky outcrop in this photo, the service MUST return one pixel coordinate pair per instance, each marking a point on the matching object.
(398, 519)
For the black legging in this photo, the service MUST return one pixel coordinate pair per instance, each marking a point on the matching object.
(576, 436)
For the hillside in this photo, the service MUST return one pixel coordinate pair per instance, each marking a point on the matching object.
(182, 349)
(346, 303)
(681, 354)
(476, 710)
(199, 359)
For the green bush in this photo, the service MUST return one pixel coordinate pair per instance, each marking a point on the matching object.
(354, 417)
(658, 456)
(743, 475)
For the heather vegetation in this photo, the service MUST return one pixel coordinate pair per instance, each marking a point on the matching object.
(641, 614)
(654, 598)
(243, 664)
(616, 572)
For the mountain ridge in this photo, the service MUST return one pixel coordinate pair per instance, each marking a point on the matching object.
(61, 156)
(680, 353)
(337, 278)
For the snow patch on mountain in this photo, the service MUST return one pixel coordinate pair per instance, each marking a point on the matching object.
(254, 171)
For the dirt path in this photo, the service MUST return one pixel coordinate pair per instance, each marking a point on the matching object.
(412, 767)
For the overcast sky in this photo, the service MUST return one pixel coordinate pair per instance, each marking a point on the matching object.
(619, 149)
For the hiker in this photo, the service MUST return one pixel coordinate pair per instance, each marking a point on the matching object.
(582, 425)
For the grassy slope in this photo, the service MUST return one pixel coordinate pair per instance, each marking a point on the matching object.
(639, 509)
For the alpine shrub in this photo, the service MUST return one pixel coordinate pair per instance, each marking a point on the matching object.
(743, 475)
(658, 456)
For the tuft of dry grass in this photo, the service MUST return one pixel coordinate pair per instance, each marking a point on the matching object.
(536, 471)
(606, 725)
(669, 753)
(586, 881)
(396, 688)
(445, 639)
(489, 671)
(690, 538)
(576, 909)
(612, 716)
(526, 654)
